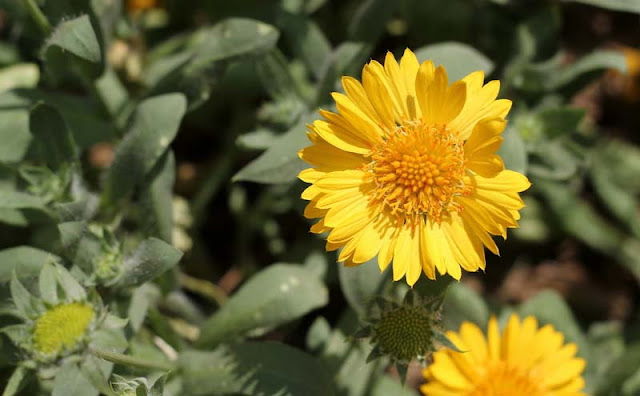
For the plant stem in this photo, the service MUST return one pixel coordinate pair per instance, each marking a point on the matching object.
(125, 360)
(37, 15)
(204, 288)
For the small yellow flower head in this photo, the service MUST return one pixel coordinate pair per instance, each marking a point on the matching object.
(407, 170)
(525, 360)
(62, 328)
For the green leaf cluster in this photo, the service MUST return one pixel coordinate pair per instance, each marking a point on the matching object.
(148, 167)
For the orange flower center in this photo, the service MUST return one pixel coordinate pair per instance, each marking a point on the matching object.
(418, 171)
(502, 379)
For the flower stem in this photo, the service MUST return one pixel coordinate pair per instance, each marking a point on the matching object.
(37, 15)
(125, 360)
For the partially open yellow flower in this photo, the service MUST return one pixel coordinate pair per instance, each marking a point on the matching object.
(524, 361)
(62, 328)
(407, 170)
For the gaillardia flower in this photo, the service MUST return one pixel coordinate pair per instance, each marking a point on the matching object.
(406, 170)
(525, 360)
(59, 322)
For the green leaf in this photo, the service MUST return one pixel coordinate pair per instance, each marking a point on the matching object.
(17, 381)
(150, 259)
(385, 386)
(55, 141)
(70, 381)
(256, 368)
(307, 41)
(463, 304)
(559, 121)
(74, 46)
(71, 233)
(197, 62)
(615, 5)
(361, 284)
(551, 160)
(276, 295)
(113, 95)
(612, 165)
(111, 339)
(580, 219)
(549, 308)
(26, 261)
(84, 117)
(607, 345)
(275, 75)
(551, 76)
(345, 357)
(13, 218)
(155, 125)
(22, 299)
(48, 284)
(141, 298)
(370, 20)
(259, 139)
(620, 370)
(280, 163)
(97, 372)
(458, 59)
(20, 200)
(21, 75)
(14, 130)
(72, 290)
(156, 199)
(158, 387)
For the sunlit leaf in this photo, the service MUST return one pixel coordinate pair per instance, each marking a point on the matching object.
(154, 127)
(280, 163)
(150, 259)
(276, 295)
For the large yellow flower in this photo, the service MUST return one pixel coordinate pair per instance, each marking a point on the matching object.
(525, 361)
(407, 170)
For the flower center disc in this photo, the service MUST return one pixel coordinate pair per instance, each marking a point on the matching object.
(504, 380)
(405, 333)
(418, 170)
(62, 327)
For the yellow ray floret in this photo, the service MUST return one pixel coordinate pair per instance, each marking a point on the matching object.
(407, 170)
(525, 360)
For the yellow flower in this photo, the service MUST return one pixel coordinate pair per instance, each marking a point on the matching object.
(406, 170)
(525, 361)
(62, 327)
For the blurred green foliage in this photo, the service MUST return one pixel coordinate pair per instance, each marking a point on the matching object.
(108, 113)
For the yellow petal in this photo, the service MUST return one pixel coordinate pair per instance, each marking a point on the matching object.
(348, 139)
(332, 157)
(359, 121)
(368, 244)
(409, 69)
(480, 103)
(493, 339)
(356, 92)
(380, 98)
(387, 247)
(397, 84)
(445, 371)
(402, 253)
(472, 335)
(466, 248)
